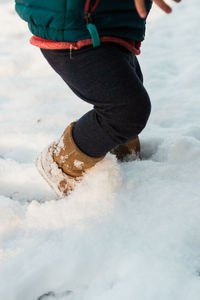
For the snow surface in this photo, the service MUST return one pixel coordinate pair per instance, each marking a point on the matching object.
(129, 231)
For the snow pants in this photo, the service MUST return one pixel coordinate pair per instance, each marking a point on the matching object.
(108, 77)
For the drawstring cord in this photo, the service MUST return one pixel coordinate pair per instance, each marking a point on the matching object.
(87, 6)
(70, 51)
(89, 23)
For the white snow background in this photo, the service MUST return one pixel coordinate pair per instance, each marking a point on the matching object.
(130, 231)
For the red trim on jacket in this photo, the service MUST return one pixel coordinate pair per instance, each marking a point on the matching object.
(132, 45)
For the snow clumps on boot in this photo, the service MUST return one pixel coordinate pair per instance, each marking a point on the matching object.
(63, 164)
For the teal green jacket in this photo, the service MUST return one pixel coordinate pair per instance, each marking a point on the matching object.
(64, 20)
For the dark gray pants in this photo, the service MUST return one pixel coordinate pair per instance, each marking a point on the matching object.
(109, 78)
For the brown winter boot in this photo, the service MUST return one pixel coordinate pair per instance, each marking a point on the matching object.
(63, 164)
(128, 151)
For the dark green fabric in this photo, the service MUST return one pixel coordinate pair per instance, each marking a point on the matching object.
(62, 20)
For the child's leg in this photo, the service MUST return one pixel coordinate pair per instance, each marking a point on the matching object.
(107, 77)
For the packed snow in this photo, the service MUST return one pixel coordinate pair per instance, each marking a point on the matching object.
(130, 230)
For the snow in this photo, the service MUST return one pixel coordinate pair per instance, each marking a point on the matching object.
(78, 164)
(129, 230)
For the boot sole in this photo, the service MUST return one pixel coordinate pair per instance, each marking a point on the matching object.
(43, 163)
